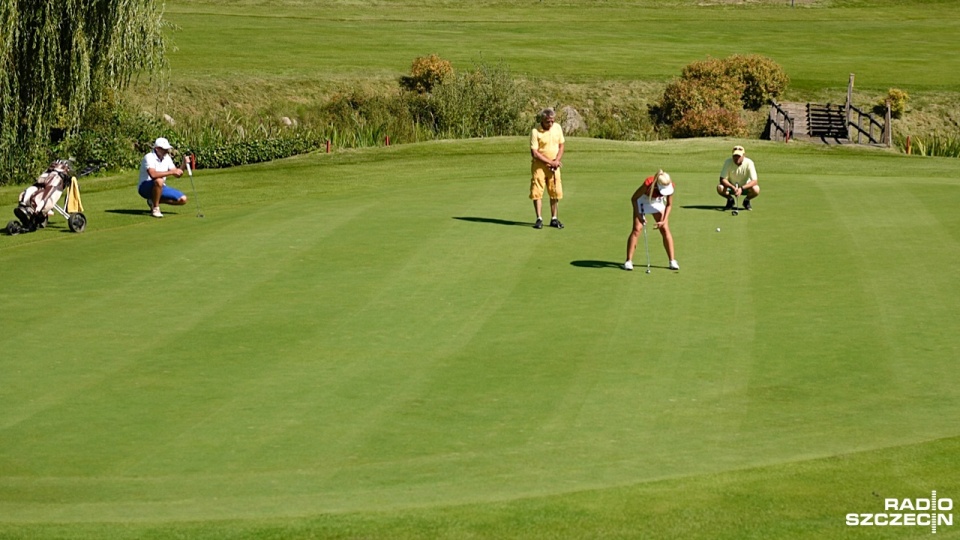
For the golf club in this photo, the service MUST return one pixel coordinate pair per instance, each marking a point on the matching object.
(736, 203)
(643, 220)
(90, 169)
(187, 159)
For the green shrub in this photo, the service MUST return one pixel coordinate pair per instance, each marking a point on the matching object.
(226, 140)
(694, 105)
(761, 78)
(710, 123)
(898, 103)
(21, 165)
(758, 79)
(110, 135)
(112, 138)
(426, 72)
(481, 103)
(684, 96)
(213, 155)
(711, 69)
(625, 122)
(359, 111)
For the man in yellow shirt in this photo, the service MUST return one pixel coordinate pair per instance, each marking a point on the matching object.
(738, 177)
(546, 149)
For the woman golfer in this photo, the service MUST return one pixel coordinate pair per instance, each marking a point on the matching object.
(654, 197)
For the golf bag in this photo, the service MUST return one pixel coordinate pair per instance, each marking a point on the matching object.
(39, 201)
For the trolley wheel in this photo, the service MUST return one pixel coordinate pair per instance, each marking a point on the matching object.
(14, 228)
(77, 222)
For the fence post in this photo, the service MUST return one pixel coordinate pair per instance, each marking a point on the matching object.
(849, 102)
(888, 127)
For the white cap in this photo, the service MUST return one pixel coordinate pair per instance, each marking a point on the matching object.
(162, 143)
(665, 184)
(738, 150)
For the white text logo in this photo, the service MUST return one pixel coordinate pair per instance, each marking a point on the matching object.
(933, 512)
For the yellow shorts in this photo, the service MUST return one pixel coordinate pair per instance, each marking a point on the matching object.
(541, 177)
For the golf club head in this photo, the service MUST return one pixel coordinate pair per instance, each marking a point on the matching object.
(735, 212)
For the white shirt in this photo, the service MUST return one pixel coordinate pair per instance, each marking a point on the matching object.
(151, 161)
(738, 174)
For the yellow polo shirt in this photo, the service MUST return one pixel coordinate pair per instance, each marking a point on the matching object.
(547, 142)
(741, 174)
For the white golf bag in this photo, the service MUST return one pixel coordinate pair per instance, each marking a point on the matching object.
(40, 198)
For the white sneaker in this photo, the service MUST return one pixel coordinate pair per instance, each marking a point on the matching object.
(628, 265)
(156, 212)
(674, 265)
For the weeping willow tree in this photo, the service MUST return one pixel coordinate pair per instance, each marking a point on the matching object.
(59, 56)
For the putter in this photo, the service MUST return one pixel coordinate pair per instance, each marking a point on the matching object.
(736, 203)
(643, 220)
(643, 216)
(187, 159)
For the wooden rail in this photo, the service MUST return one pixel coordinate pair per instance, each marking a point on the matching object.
(862, 131)
(780, 124)
(828, 123)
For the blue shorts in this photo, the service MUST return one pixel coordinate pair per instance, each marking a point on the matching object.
(146, 191)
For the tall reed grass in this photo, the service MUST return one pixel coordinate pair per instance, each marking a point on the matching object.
(934, 145)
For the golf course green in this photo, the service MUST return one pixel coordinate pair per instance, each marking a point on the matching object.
(376, 343)
(390, 337)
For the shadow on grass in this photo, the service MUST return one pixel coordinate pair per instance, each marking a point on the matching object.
(703, 207)
(596, 264)
(128, 212)
(133, 212)
(495, 221)
(614, 265)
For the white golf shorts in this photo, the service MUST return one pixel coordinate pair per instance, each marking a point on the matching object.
(646, 206)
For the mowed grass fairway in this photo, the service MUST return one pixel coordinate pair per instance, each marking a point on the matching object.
(376, 344)
(885, 42)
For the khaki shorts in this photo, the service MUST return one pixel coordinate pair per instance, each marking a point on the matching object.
(541, 177)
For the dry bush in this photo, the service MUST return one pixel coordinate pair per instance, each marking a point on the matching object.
(761, 78)
(684, 96)
(426, 72)
(710, 123)
(708, 97)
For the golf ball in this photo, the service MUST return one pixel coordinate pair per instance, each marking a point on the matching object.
(718, 229)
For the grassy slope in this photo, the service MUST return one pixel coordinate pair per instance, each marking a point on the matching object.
(281, 56)
(389, 341)
(885, 43)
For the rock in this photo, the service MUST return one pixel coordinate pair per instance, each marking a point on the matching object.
(572, 121)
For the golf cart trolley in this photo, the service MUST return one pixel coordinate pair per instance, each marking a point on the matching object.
(39, 201)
